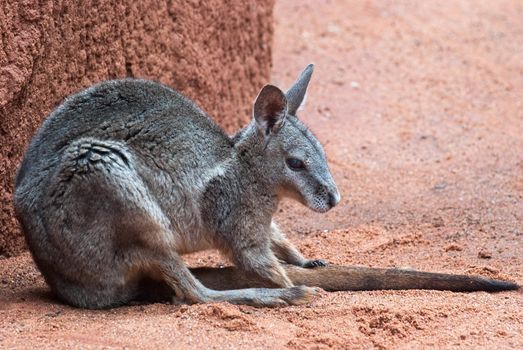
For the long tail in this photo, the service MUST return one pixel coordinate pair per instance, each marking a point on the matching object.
(343, 278)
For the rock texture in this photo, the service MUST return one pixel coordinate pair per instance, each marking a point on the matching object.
(216, 52)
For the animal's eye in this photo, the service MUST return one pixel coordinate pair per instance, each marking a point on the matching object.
(295, 164)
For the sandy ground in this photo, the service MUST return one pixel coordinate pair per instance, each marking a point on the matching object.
(419, 107)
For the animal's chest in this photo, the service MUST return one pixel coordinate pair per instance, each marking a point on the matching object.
(179, 191)
(182, 207)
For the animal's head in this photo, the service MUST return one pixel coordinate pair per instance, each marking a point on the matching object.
(293, 155)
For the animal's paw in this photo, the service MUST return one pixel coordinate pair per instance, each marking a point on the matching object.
(300, 295)
(277, 297)
(315, 263)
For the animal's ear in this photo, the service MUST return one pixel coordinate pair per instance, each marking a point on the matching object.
(296, 93)
(270, 110)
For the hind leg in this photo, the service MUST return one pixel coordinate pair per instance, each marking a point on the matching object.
(95, 211)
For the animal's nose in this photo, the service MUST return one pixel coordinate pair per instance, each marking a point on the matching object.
(334, 198)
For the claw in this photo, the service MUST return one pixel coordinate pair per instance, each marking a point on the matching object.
(315, 263)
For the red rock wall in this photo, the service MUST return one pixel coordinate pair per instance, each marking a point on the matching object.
(217, 52)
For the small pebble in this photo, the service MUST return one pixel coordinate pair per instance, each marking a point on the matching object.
(453, 248)
(484, 255)
(438, 222)
(440, 186)
(332, 28)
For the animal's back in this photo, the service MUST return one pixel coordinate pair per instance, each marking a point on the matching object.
(136, 112)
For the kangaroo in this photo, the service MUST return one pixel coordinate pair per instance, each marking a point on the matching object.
(125, 177)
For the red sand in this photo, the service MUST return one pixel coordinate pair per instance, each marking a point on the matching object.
(419, 107)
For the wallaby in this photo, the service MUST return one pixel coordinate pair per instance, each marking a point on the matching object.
(126, 176)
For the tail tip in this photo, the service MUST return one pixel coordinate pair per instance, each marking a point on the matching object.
(499, 285)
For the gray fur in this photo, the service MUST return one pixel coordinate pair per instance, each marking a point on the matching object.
(296, 94)
(127, 175)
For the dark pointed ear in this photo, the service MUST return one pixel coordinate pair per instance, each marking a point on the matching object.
(270, 110)
(296, 93)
